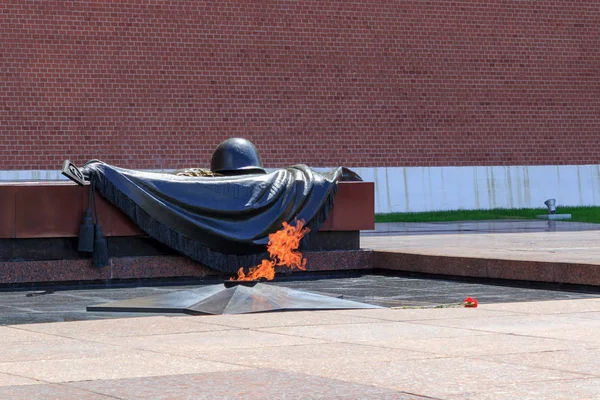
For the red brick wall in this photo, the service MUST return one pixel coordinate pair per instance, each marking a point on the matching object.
(158, 84)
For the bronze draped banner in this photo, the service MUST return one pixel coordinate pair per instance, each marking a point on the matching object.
(221, 222)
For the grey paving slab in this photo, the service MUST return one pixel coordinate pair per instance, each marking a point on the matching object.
(434, 377)
(12, 335)
(48, 391)
(374, 331)
(7, 380)
(442, 353)
(294, 318)
(564, 306)
(424, 314)
(58, 349)
(584, 334)
(483, 345)
(128, 364)
(154, 325)
(570, 389)
(586, 315)
(585, 362)
(249, 384)
(195, 344)
(537, 325)
(314, 357)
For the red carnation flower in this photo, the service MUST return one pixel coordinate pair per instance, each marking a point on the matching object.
(470, 302)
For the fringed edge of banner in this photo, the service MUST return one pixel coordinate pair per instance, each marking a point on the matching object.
(320, 217)
(229, 263)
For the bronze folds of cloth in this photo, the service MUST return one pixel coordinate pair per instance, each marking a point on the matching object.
(222, 217)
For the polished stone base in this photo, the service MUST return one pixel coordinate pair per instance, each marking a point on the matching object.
(557, 252)
(237, 299)
(30, 272)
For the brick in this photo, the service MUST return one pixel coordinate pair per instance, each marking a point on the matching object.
(158, 84)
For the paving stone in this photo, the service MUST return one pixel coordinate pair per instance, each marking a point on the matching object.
(580, 389)
(482, 345)
(584, 362)
(314, 356)
(194, 344)
(423, 314)
(248, 384)
(10, 335)
(48, 391)
(548, 307)
(128, 364)
(14, 380)
(293, 318)
(535, 325)
(435, 377)
(584, 334)
(377, 330)
(155, 325)
(57, 349)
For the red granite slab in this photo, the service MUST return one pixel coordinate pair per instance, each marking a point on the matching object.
(47, 211)
(537, 271)
(12, 272)
(518, 270)
(55, 209)
(155, 267)
(427, 264)
(7, 212)
(173, 266)
(342, 260)
(579, 274)
(354, 208)
(112, 220)
(246, 384)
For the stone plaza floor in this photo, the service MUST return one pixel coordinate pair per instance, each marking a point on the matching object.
(520, 343)
(527, 240)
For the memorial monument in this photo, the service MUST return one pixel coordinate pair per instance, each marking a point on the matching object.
(229, 217)
(221, 218)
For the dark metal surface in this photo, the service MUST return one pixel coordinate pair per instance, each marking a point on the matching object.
(175, 302)
(137, 246)
(222, 222)
(238, 299)
(236, 156)
(71, 171)
(230, 283)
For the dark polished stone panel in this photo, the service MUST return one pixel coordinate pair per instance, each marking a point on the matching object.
(39, 249)
(138, 246)
(333, 240)
(7, 211)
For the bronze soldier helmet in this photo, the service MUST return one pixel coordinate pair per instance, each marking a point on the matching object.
(236, 156)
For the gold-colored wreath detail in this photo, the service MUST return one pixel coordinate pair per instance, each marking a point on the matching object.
(196, 172)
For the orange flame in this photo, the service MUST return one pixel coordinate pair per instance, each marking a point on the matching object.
(283, 250)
